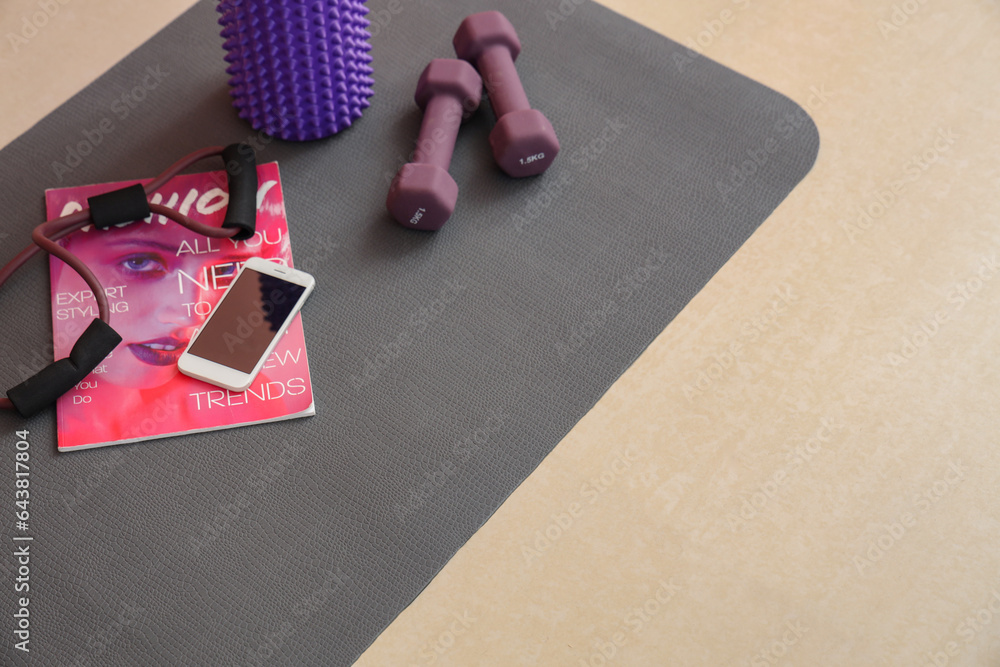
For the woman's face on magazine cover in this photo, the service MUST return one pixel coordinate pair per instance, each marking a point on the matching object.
(160, 282)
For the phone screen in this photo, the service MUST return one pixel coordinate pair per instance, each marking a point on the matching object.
(247, 319)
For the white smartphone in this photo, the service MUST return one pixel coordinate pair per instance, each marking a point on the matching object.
(246, 324)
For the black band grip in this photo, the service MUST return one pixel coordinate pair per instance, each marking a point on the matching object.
(119, 206)
(241, 172)
(42, 389)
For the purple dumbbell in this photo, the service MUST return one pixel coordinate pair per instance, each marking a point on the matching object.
(523, 141)
(423, 194)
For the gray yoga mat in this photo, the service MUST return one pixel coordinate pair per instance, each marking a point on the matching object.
(445, 366)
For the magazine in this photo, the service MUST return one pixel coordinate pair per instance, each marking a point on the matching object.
(162, 281)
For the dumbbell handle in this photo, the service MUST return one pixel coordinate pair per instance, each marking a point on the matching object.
(503, 83)
(439, 131)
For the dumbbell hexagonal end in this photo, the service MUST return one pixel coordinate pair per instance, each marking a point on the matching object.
(422, 196)
(456, 78)
(524, 143)
(483, 30)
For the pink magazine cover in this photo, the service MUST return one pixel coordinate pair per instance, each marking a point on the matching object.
(162, 281)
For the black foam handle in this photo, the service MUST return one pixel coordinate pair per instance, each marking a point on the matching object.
(119, 206)
(241, 172)
(43, 388)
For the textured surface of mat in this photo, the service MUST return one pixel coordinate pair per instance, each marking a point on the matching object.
(446, 366)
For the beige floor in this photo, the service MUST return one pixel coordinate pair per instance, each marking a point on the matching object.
(803, 469)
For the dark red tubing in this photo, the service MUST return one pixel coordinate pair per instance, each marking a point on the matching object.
(45, 235)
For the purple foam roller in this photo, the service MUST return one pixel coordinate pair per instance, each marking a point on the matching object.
(299, 69)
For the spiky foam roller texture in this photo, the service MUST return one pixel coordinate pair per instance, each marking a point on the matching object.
(299, 69)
